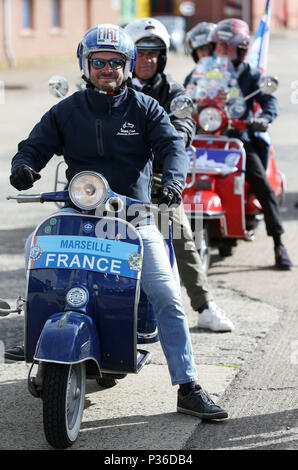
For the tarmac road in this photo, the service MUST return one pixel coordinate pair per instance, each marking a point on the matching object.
(251, 371)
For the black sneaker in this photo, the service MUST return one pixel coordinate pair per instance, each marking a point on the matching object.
(15, 354)
(198, 403)
(282, 260)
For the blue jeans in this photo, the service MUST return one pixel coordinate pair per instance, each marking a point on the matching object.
(160, 287)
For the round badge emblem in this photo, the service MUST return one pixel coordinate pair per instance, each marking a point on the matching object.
(135, 261)
(35, 252)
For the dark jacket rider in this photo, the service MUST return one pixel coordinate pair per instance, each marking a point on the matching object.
(120, 128)
(231, 38)
(152, 41)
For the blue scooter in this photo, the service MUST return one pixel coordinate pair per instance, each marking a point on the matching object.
(85, 312)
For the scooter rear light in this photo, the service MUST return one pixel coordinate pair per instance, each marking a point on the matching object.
(88, 190)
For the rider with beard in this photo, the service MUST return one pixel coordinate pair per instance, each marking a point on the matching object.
(231, 38)
(87, 127)
(152, 41)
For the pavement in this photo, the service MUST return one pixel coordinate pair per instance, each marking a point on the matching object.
(139, 413)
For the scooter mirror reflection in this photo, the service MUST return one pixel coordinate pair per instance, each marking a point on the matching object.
(58, 86)
(181, 106)
(4, 308)
(268, 84)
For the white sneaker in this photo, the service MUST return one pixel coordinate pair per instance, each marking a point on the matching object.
(214, 318)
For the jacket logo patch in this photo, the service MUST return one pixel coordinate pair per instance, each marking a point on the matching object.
(128, 129)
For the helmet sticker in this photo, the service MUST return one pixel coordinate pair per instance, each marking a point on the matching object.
(108, 35)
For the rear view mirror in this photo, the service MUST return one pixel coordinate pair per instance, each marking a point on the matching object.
(181, 106)
(58, 86)
(4, 308)
(268, 84)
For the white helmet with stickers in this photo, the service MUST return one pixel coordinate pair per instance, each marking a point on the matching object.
(106, 37)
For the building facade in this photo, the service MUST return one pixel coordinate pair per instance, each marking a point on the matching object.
(33, 30)
(44, 29)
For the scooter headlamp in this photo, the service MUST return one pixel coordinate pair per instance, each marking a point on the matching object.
(210, 119)
(76, 297)
(88, 189)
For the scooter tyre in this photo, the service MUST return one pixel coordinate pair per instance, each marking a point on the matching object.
(63, 403)
(204, 251)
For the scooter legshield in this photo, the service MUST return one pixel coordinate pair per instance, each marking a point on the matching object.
(112, 298)
(68, 337)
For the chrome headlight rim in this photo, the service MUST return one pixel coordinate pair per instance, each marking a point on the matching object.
(210, 119)
(102, 183)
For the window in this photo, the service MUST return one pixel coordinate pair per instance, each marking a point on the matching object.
(56, 13)
(27, 14)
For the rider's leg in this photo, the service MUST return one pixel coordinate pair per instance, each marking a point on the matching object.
(259, 185)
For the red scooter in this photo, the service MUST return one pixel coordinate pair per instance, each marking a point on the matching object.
(216, 189)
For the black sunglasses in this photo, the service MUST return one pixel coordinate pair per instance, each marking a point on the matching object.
(113, 63)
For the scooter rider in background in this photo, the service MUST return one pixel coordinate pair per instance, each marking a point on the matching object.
(198, 44)
(231, 38)
(88, 125)
(152, 41)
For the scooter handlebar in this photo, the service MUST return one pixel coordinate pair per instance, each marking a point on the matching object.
(61, 196)
(21, 198)
(238, 124)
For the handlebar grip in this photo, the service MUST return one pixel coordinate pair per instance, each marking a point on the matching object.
(26, 198)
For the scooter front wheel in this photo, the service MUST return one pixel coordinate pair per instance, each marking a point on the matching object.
(63, 403)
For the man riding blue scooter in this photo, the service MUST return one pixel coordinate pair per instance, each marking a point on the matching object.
(88, 128)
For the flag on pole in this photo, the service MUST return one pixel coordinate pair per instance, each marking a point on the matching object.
(259, 49)
(259, 57)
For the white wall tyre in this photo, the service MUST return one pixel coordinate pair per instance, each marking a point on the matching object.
(63, 403)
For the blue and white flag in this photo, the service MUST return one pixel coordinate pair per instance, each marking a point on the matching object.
(259, 55)
(259, 50)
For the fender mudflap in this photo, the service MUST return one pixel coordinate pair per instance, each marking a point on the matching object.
(68, 337)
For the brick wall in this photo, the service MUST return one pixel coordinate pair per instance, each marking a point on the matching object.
(284, 13)
(44, 41)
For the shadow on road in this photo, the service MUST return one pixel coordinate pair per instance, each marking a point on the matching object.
(263, 432)
(22, 421)
(21, 418)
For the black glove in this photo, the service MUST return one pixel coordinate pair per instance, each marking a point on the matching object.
(23, 177)
(257, 124)
(171, 194)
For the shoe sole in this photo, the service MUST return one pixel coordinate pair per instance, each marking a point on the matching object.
(226, 330)
(208, 416)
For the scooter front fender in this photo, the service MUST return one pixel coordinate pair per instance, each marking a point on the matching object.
(67, 338)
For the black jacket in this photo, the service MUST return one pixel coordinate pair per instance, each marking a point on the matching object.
(164, 88)
(115, 135)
